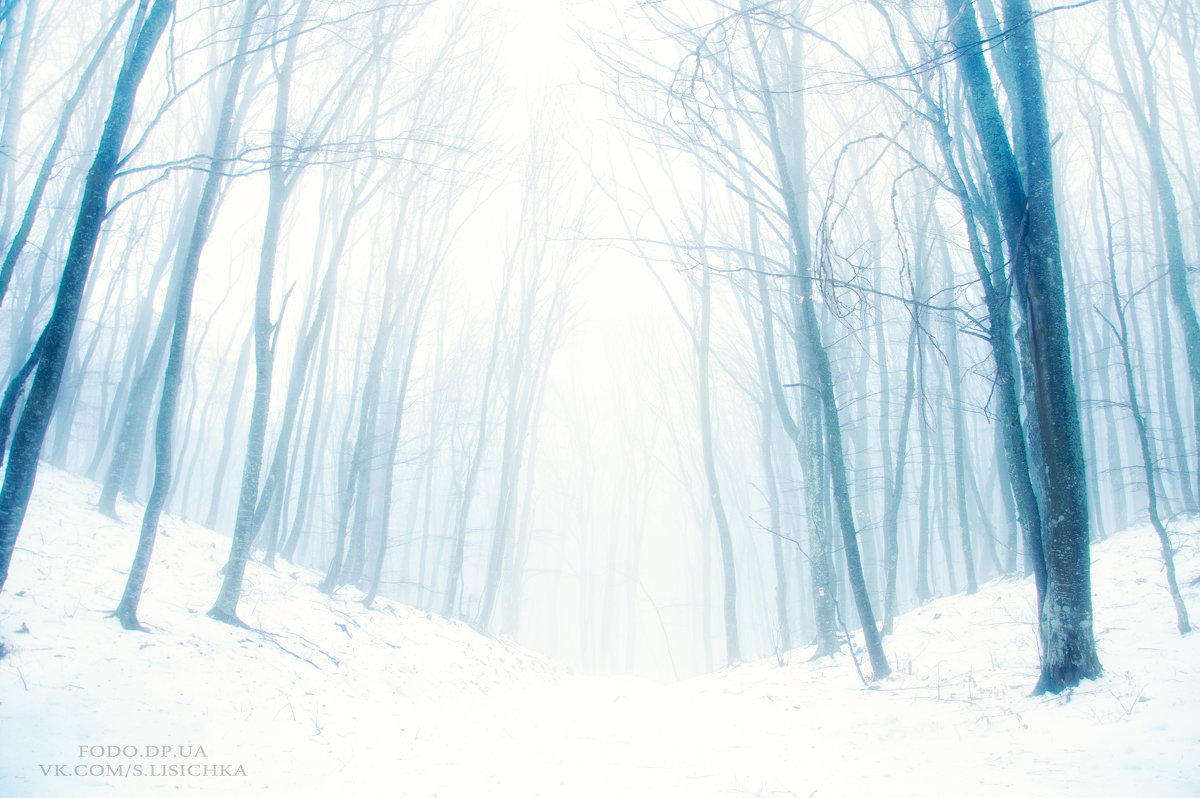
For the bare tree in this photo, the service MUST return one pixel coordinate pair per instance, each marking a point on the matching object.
(1145, 113)
(1120, 328)
(1025, 199)
(99, 51)
(126, 611)
(55, 340)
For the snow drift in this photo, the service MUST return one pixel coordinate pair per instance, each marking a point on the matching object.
(327, 697)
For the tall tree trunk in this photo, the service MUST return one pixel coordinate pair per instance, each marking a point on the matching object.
(55, 340)
(231, 413)
(806, 438)
(818, 361)
(1026, 204)
(982, 224)
(924, 523)
(363, 452)
(733, 652)
(1146, 119)
(14, 113)
(125, 465)
(224, 609)
(960, 453)
(450, 599)
(126, 611)
(1149, 464)
(891, 512)
(1166, 363)
(100, 50)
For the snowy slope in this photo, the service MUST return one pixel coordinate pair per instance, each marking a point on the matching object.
(341, 700)
(290, 706)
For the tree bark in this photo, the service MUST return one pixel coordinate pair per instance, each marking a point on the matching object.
(819, 366)
(17, 245)
(126, 611)
(1026, 204)
(224, 609)
(56, 337)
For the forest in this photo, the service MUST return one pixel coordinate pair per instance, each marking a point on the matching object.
(656, 337)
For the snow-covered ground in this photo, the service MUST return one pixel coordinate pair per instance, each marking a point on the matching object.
(334, 699)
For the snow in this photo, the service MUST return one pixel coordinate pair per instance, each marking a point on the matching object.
(336, 699)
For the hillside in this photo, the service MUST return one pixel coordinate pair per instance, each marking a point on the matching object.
(333, 698)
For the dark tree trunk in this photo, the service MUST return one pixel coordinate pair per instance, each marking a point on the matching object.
(17, 245)
(1026, 204)
(56, 337)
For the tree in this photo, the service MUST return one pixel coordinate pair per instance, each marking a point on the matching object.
(1025, 198)
(1120, 328)
(817, 356)
(730, 83)
(1145, 113)
(225, 607)
(99, 51)
(986, 253)
(537, 293)
(126, 611)
(55, 340)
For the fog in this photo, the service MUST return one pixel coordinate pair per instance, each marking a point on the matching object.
(531, 301)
